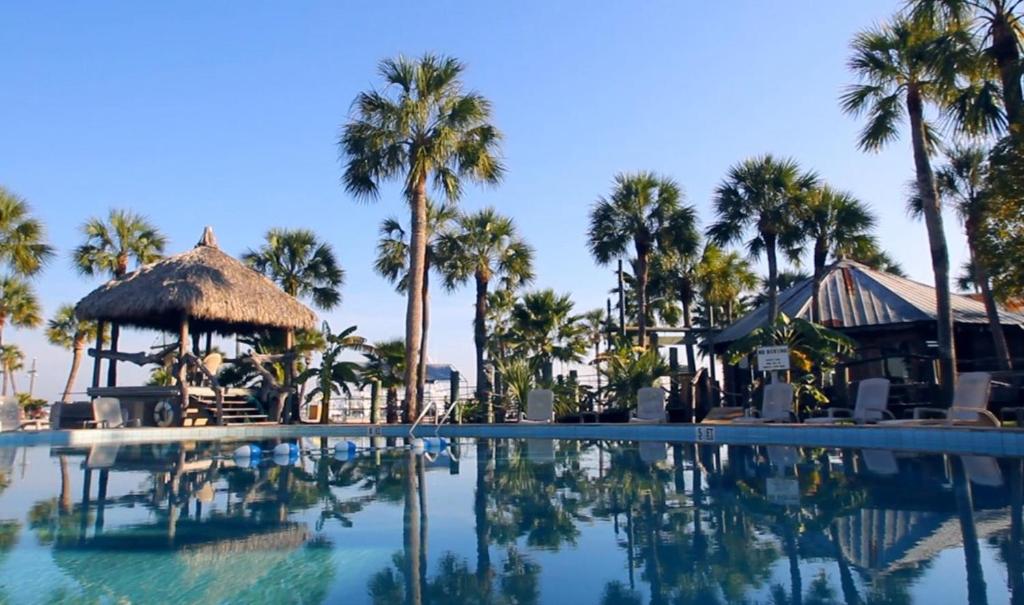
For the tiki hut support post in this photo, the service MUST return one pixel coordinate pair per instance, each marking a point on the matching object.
(182, 366)
(97, 360)
(112, 363)
(289, 376)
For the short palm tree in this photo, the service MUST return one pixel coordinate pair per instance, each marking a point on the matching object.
(334, 375)
(23, 244)
(962, 185)
(67, 331)
(424, 129)
(301, 264)
(837, 224)
(11, 360)
(903, 66)
(384, 368)
(722, 278)
(19, 307)
(545, 329)
(484, 247)
(645, 211)
(762, 196)
(109, 248)
(393, 263)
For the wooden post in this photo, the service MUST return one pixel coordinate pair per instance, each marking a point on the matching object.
(291, 403)
(209, 342)
(112, 363)
(622, 301)
(98, 361)
(182, 368)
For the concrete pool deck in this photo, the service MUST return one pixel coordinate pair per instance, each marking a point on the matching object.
(956, 440)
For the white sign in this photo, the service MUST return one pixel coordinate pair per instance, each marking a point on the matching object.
(705, 434)
(773, 359)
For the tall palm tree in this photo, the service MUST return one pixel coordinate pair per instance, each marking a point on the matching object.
(301, 264)
(647, 211)
(486, 246)
(722, 278)
(1001, 33)
(679, 267)
(393, 263)
(22, 238)
(109, 248)
(837, 224)
(67, 331)
(903, 66)
(961, 183)
(761, 195)
(426, 130)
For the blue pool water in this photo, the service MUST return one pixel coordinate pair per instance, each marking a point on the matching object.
(507, 522)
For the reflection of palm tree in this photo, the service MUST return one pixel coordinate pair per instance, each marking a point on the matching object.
(976, 593)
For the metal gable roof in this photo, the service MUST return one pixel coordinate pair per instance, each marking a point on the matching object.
(854, 295)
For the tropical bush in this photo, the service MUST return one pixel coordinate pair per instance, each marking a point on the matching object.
(626, 369)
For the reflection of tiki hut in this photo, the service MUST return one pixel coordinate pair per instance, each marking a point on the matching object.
(196, 293)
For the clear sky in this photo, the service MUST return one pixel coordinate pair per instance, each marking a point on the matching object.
(227, 114)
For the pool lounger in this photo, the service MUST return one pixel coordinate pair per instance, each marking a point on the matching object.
(650, 406)
(777, 406)
(872, 405)
(540, 407)
(970, 406)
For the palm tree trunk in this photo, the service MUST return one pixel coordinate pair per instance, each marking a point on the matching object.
(642, 276)
(65, 487)
(479, 341)
(976, 591)
(3, 388)
(937, 240)
(76, 363)
(1007, 57)
(1003, 359)
(481, 525)
(414, 311)
(773, 278)
(820, 257)
(686, 300)
(421, 383)
(375, 402)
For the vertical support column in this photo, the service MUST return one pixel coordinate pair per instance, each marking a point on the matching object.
(182, 367)
(97, 366)
(289, 378)
(674, 402)
(622, 301)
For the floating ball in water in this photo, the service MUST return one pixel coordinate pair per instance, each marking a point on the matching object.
(248, 451)
(344, 450)
(286, 449)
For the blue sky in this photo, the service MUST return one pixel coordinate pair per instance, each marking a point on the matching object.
(227, 114)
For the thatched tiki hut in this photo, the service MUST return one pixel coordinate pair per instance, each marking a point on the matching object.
(200, 292)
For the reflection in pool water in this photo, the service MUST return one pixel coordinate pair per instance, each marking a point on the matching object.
(507, 521)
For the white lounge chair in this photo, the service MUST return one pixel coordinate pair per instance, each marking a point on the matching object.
(540, 406)
(540, 450)
(872, 405)
(653, 452)
(650, 406)
(106, 413)
(983, 470)
(880, 462)
(776, 405)
(970, 404)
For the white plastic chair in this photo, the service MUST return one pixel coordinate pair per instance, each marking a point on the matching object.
(106, 413)
(776, 406)
(970, 402)
(983, 470)
(880, 462)
(540, 406)
(872, 405)
(650, 406)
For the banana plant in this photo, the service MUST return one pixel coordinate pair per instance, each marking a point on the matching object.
(334, 374)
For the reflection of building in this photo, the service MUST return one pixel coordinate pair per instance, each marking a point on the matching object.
(879, 540)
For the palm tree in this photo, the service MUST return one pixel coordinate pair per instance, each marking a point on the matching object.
(903, 66)
(110, 246)
(999, 23)
(22, 238)
(644, 210)
(67, 331)
(544, 329)
(392, 263)
(761, 195)
(19, 307)
(722, 278)
(384, 368)
(334, 374)
(301, 264)
(486, 246)
(11, 359)
(838, 224)
(961, 183)
(424, 129)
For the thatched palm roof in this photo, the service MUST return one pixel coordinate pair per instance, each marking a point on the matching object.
(215, 291)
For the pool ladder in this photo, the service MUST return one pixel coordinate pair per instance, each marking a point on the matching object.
(439, 421)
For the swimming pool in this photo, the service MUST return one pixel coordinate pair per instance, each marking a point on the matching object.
(506, 521)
